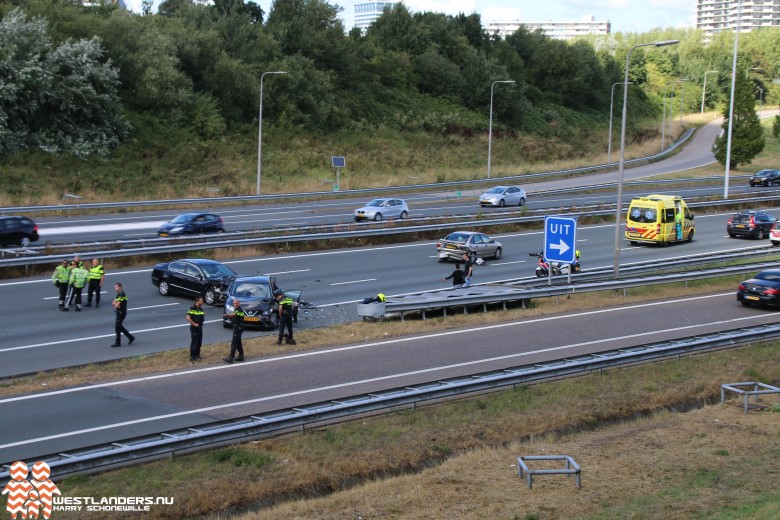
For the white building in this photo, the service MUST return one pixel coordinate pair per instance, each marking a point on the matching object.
(714, 16)
(557, 30)
(366, 13)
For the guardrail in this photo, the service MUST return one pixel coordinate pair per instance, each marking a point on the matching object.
(409, 187)
(166, 444)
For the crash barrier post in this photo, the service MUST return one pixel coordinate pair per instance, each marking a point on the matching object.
(572, 468)
(734, 387)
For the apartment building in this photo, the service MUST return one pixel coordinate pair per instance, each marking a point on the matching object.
(366, 13)
(557, 30)
(714, 16)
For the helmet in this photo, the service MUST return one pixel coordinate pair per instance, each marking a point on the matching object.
(380, 297)
(278, 292)
(577, 253)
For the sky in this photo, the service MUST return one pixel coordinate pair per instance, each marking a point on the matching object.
(636, 16)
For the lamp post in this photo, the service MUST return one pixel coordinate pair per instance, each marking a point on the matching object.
(731, 104)
(609, 143)
(621, 166)
(490, 125)
(682, 97)
(663, 120)
(704, 88)
(260, 128)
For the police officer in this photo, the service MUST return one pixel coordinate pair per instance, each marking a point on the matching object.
(96, 277)
(196, 317)
(60, 279)
(120, 304)
(78, 279)
(285, 316)
(237, 317)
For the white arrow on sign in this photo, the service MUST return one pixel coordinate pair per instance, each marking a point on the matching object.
(562, 247)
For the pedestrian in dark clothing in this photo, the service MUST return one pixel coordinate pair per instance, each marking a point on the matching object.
(96, 276)
(196, 317)
(457, 277)
(285, 316)
(60, 279)
(120, 306)
(468, 270)
(237, 317)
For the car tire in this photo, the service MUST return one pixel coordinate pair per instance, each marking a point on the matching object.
(164, 288)
(761, 234)
(501, 203)
(775, 244)
(690, 237)
(442, 260)
(25, 242)
(766, 183)
(522, 202)
(745, 303)
(377, 217)
(227, 324)
(210, 296)
(404, 215)
(632, 242)
(732, 235)
(498, 253)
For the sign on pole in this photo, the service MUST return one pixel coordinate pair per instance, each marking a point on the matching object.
(338, 162)
(560, 239)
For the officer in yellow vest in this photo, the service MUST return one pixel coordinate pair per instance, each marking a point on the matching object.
(285, 316)
(60, 279)
(78, 279)
(96, 277)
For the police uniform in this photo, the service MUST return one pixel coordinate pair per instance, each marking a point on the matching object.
(60, 279)
(285, 316)
(96, 276)
(237, 317)
(121, 314)
(196, 317)
(78, 279)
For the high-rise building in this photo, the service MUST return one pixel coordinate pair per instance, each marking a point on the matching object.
(557, 30)
(714, 16)
(366, 13)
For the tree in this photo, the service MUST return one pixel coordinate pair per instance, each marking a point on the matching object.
(776, 127)
(747, 136)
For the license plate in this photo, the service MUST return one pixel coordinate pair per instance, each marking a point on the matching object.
(251, 318)
(740, 226)
(448, 246)
(756, 298)
(163, 234)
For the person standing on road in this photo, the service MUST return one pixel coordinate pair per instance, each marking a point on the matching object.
(196, 317)
(96, 276)
(237, 317)
(78, 279)
(60, 279)
(120, 304)
(457, 277)
(285, 316)
(468, 270)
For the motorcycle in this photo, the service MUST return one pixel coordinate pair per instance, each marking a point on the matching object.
(543, 268)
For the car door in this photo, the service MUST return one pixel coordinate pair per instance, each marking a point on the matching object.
(190, 278)
(478, 245)
(392, 208)
(512, 196)
(209, 224)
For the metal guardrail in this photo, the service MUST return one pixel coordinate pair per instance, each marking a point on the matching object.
(436, 185)
(165, 444)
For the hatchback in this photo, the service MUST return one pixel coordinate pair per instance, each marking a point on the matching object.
(503, 196)
(18, 231)
(764, 288)
(476, 245)
(751, 224)
(192, 224)
(256, 294)
(765, 178)
(379, 209)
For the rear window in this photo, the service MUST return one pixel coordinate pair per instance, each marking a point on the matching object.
(772, 276)
(457, 237)
(644, 215)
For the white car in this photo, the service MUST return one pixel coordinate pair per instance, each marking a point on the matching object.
(503, 196)
(380, 209)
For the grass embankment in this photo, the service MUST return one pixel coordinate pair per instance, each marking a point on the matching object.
(456, 459)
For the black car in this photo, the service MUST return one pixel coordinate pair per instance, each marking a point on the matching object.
(18, 231)
(764, 288)
(751, 224)
(192, 224)
(256, 294)
(765, 178)
(193, 277)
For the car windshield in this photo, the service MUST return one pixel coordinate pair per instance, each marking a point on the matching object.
(496, 190)
(458, 237)
(252, 290)
(771, 276)
(182, 219)
(217, 271)
(643, 215)
(376, 203)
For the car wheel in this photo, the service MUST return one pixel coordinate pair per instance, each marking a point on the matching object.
(522, 202)
(498, 253)
(632, 242)
(378, 217)
(164, 288)
(501, 203)
(732, 235)
(690, 237)
(404, 215)
(761, 234)
(227, 324)
(766, 183)
(210, 296)
(745, 303)
(25, 242)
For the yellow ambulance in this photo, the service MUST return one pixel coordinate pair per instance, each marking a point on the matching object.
(659, 219)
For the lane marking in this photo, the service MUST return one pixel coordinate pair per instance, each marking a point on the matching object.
(288, 272)
(355, 281)
(224, 406)
(507, 263)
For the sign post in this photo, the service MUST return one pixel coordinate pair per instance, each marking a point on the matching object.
(560, 242)
(338, 162)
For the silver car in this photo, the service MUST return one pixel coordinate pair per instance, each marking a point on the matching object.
(380, 209)
(476, 245)
(503, 196)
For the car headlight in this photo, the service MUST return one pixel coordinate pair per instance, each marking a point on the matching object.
(229, 308)
(176, 229)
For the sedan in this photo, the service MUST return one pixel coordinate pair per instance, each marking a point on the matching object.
(18, 230)
(192, 224)
(765, 178)
(503, 196)
(256, 294)
(750, 224)
(764, 288)
(194, 277)
(477, 245)
(379, 209)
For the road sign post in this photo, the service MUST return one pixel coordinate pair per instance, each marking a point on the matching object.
(338, 162)
(560, 241)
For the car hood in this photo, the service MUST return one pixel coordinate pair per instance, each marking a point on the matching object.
(254, 304)
(168, 226)
(368, 209)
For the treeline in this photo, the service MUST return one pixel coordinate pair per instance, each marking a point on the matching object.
(71, 75)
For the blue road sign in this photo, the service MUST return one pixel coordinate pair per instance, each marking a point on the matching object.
(338, 161)
(560, 239)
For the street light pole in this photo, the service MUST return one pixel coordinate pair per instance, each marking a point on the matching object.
(260, 128)
(663, 120)
(731, 104)
(609, 142)
(490, 124)
(621, 166)
(704, 88)
(682, 97)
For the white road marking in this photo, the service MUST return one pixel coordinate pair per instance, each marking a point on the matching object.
(57, 297)
(507, 263)
(288, 272)
(355, 281)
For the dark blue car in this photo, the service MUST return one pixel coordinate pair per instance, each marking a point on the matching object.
(192, 224)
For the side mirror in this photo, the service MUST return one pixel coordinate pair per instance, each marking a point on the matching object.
(492, 241)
